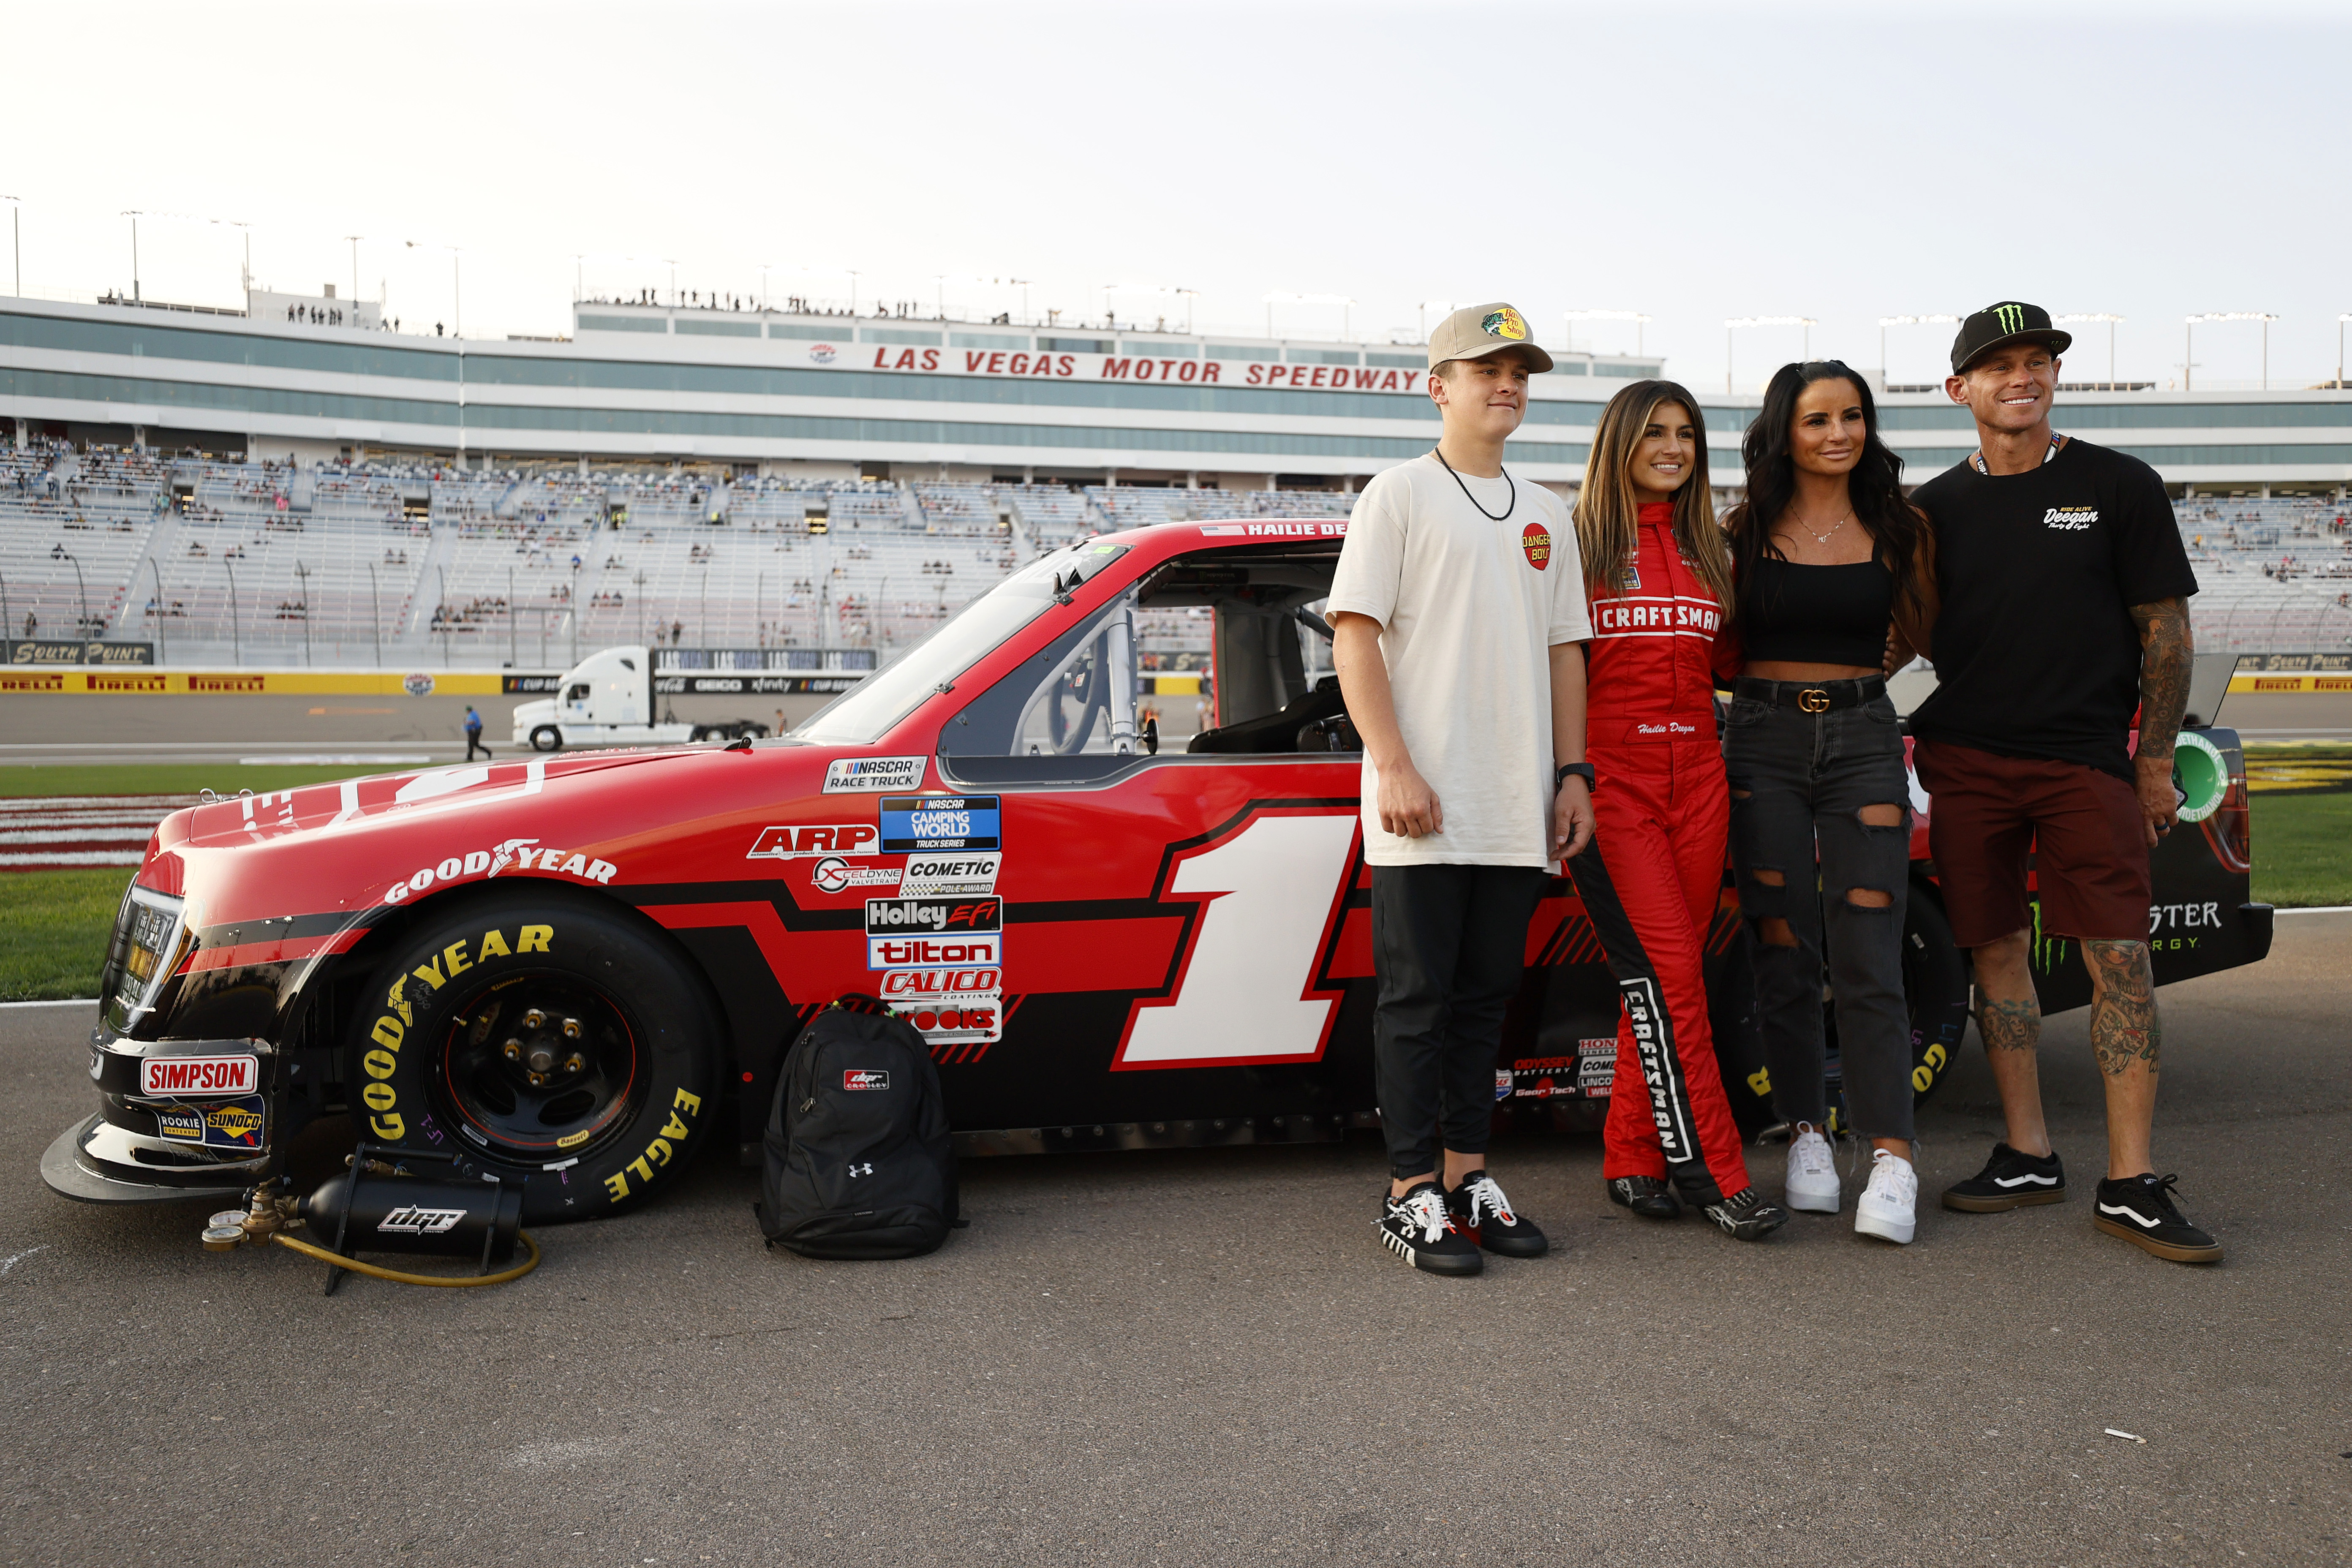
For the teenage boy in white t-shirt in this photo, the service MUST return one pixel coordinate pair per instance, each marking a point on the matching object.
(1458, 626)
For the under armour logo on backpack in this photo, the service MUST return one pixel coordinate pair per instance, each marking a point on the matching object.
(857, 1170)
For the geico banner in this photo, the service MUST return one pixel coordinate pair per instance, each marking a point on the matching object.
(75, 650)
(1179, 369)
(738, 685)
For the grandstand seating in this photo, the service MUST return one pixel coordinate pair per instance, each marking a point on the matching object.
(333, 563)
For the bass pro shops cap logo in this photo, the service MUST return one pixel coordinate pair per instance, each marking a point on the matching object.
(1505, 323)
(1536, 540)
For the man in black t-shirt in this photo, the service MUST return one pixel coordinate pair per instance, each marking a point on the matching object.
(2065, 606)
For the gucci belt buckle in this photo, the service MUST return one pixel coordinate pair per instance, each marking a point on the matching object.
(1813, 699)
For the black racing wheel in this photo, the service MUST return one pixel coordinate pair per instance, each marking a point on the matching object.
(556, 1042)
(546, 738)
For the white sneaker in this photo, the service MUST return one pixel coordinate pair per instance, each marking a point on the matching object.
(1889, 1207)
(1813, 1172)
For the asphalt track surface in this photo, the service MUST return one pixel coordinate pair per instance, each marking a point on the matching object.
(1205, 1358)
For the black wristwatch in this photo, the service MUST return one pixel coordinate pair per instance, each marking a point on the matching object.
(1581, 770)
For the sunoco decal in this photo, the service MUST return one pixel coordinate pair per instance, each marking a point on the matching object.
(854, 775)
(912, 824)
(232, 1124)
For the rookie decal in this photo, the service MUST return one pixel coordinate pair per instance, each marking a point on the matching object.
(1504, 323)
(2070, 519)
(912, 824)
(399, 1015)
(794, 843)
(662, 1150)
(1536, 540)
(977, 1022)
(232, 1124)
(863, 1078)
(857, 776)
(199, 1075)
(835, 875)
(950, 876)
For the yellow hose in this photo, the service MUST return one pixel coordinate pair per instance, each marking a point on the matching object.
(398, 1277)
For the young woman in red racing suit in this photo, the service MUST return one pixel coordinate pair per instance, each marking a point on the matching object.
(1658, 578)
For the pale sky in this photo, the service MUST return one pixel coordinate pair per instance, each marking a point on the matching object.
(1690, 161)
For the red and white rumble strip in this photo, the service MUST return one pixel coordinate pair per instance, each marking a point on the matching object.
(51, 833)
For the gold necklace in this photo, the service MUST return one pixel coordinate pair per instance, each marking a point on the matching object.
(1822, 538)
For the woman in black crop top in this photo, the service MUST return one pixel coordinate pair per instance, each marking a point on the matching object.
(1833, 589)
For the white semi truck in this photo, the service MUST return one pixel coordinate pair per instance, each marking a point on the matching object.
(608, 699)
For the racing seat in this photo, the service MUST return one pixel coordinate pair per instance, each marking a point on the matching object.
(1278, 731)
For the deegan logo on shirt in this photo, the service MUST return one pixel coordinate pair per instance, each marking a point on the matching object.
(2070, 519)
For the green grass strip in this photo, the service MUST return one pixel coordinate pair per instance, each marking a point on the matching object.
(53, 931)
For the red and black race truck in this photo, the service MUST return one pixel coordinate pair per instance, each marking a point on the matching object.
(572, 974)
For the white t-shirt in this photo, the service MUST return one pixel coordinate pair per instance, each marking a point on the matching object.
(1469, 610)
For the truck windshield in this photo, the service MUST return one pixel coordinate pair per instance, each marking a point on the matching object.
(864, 715)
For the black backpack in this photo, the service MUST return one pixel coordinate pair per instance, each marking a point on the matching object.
(859, 1163)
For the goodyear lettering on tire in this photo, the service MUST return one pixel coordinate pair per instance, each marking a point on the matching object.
(392, 1025)
(660, 1151)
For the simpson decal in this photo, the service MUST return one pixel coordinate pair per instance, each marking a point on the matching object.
(913, 824)
(199, 1076)
(794, 843)
(950, 876)
(1536, 540)
(857, 776)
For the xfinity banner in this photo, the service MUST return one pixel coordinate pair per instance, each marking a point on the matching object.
(738, 685)
(59, 651)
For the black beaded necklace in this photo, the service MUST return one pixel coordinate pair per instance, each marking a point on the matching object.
(1509, 507)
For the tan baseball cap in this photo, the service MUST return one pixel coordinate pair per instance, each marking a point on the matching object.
(1477, 331)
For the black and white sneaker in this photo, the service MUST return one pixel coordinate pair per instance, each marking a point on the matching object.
(1482, 1213)
(1746, 1216)
(2009, 1181)
(2140, 1209)
(1646, 1195)
(1417, 1228)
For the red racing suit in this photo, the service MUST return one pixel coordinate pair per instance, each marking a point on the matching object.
(1652, 874)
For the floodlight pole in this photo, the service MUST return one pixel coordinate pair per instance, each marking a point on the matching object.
(375, 614)
(236, 644)
(302, 575)
(162, 656)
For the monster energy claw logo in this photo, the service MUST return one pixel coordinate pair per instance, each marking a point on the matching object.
(2011, 317)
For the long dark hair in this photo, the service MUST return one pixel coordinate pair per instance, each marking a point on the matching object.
(1608, 529)
(1875, 485)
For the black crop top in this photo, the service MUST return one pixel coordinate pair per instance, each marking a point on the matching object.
(1816, 615)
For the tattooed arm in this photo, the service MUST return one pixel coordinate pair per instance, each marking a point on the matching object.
(2164, 663)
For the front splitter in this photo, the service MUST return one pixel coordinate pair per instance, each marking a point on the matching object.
(69, 1174)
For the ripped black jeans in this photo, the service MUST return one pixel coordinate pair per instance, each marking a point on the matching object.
(1819, 853)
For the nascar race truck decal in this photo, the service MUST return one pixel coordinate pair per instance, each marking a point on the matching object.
(573, 973)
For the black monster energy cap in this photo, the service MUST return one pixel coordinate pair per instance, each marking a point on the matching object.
(1998, 326)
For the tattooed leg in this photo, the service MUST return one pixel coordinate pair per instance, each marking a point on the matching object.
(2008, 1018)
(2126, 1036)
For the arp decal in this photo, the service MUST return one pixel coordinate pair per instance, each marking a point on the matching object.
(863, 1078)
(390, 1031)
(521, 853)
(1247, 989)
(950, 876)
(662, 1150)
(835, 875)
(797, 842)
(858, 775)
(200, 1077)
(914, 824)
